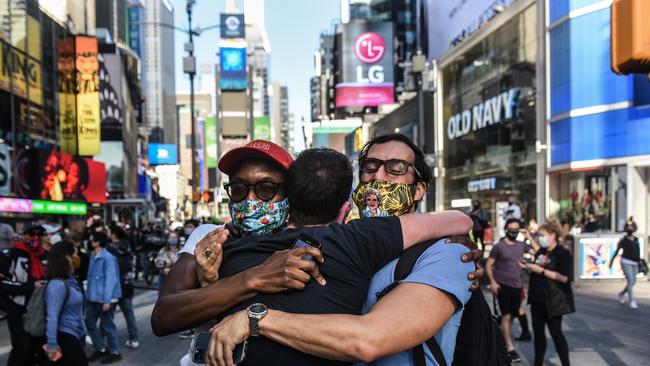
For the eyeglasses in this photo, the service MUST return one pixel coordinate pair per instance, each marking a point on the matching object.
(264, 190)
(392, 166)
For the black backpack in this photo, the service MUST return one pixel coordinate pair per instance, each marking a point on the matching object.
(479, 341)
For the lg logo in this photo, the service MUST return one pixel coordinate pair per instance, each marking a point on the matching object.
(369, 48)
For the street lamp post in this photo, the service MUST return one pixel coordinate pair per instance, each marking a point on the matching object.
(189, 66)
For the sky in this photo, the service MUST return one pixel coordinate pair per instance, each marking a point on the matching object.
(293, 27)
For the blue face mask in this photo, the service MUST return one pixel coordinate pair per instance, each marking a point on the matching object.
(258, 217)
(173, 241)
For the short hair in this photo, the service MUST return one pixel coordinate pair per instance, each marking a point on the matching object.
(420, 163)
(100, 237)
(510, 221)
(192, 222)
(57, 263)
(320, 181)
(118, 232)
(553, 228)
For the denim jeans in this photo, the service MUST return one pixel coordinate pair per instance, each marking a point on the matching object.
(93, 313)
(126, 305)
(630, 271)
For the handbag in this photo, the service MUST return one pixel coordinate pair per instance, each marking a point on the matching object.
(643, 266)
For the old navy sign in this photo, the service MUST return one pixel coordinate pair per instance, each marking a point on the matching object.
(487, 184)
(497, 109)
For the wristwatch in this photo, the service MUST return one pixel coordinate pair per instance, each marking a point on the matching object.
(256, 312)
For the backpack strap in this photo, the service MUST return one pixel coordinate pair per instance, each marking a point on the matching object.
(65, 299)
(403, 268)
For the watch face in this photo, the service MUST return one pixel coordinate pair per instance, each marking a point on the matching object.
(257, 309)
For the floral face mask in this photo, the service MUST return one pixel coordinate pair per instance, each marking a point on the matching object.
(257, 217)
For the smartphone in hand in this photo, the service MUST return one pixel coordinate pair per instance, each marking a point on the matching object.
(305, 240)
(201, 349)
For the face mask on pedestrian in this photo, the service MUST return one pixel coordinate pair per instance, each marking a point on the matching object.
(396, 198)
(512, 234)
(257, 217)
(172, 242)
(543, 241)
(188, 231)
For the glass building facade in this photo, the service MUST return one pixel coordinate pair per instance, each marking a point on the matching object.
(489, 120)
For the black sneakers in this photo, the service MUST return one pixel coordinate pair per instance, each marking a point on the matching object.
(525, 337)
(97, 355)
(514, 356)
(111, 358)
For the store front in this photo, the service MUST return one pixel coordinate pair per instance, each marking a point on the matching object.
(488, 125)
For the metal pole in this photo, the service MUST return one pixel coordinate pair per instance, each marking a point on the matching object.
(191, 54)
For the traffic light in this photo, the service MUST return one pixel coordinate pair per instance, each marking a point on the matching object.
(630, 36)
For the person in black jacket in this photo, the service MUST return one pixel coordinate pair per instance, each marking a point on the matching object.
(22, 269)
(481, 222)
(629, 262)
(122, 250)
(549, 291)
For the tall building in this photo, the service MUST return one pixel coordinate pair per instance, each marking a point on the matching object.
(160, 86)
(111, 15)
(323, 83)
(259, 50)
(79, 17)
(281, 117)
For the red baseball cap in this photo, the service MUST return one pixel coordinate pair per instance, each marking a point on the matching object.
(255, 149)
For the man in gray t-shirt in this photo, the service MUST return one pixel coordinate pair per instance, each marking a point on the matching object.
(504, 273)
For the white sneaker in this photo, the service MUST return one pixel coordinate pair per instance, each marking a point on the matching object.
(621, 299)
(132, 344)
(89, 340)
(633, 305)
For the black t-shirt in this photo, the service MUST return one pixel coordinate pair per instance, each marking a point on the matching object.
(630, 248)
(353, 253)
(558, 260)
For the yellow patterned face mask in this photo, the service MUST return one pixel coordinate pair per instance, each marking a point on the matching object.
(376, 199)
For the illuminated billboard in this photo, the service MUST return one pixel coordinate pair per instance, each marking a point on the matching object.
(233, 69)
(232, 26)
(211, 142)
(162, 154)
(46, 207)
(366, 52)
(88, 107)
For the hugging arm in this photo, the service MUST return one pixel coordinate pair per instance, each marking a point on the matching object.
(419, 227)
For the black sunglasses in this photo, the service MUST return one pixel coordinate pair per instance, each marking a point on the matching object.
(264, 190)
(392, 166)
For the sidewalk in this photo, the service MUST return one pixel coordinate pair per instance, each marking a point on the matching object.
(602, 331)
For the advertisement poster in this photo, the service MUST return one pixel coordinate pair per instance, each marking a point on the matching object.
(232, 26)
(162, 154)
(88, 107)
(67, 97)
(23, 71)
(449, 22)
(367, 65)
(61, 176)
(262, 128)
(5, 171)
(596, 255)
(233, 69)
(211, 142)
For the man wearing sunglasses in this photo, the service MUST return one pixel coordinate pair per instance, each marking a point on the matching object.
(428, 302)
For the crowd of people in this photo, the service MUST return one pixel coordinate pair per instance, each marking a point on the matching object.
(296, 281)
(80, 279)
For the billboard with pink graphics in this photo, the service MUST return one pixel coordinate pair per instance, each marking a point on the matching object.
(366, 64)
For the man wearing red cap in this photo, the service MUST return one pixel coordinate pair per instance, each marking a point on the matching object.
(257, 173)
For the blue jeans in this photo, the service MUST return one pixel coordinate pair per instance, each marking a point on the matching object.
(93, 312)
(126, 305)
(630, 271)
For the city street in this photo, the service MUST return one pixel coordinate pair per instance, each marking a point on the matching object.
(601, 332)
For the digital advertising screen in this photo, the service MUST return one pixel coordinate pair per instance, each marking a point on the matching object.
(162, 154)
(233, 69)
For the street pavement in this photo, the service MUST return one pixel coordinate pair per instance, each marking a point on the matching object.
(601, 332)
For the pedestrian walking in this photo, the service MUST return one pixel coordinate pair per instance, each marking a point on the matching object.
(512, 211)
(481, 222)
(121, 249)
(549, 292)
(65, 327)
(22, 270)
(630, 259)
(103, 292)
(166, 257)
(504, 273)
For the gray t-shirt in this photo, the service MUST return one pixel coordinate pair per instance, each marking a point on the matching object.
(506, 262)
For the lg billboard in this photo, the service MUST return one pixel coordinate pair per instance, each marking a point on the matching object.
(366, 51)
